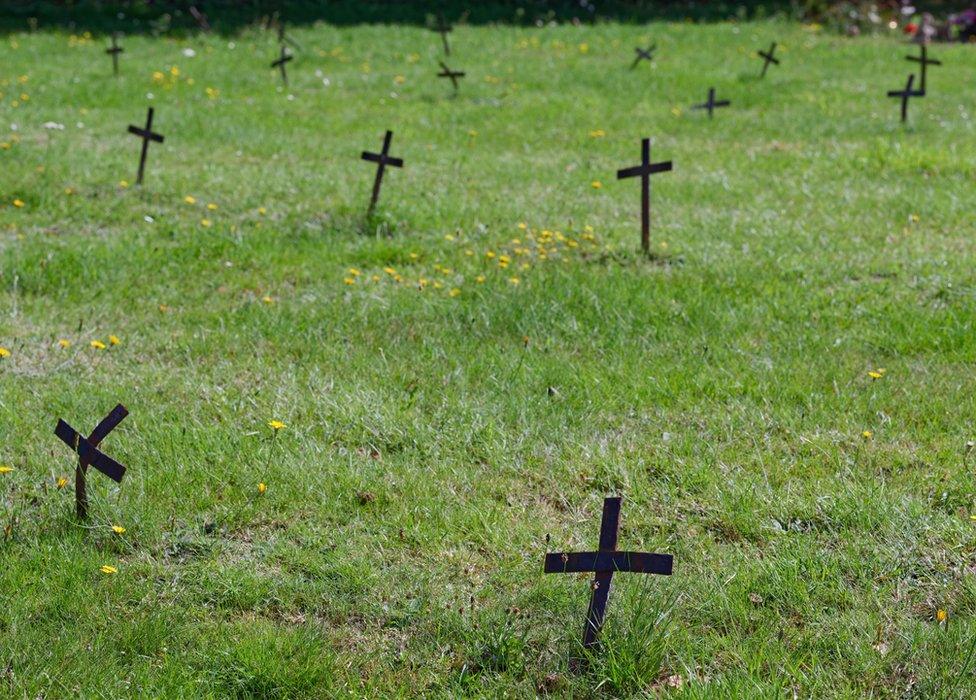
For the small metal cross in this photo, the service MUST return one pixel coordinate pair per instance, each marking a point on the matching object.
(905, 95)
(114, 52)
(925, 61)
(768, 57)
(452, 74)
(644, 172)
(90, 455)
(280, 64)
(643, 55)
(712, 103)
(147, 135)
(382, 159)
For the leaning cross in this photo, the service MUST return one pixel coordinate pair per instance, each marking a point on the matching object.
(604, 563)
(768, 57)
(643, 55)
(644, 172)
(452, 74)
(925, 61)
(905, 95)
(280, 64)
(147, 135)
(712, 104)
(89, 454)
(382, 159)
(114, 52)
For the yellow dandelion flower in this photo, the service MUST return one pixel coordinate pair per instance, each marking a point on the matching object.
(106, 569)
(213, 93)
(163, 308)
(4, 352)
(480, 279)
(472, 133)
(123, 184)
(490, 254)
(455, 292)
(118, 529)
(389, 270)
(597, 134)
(158, 76)
(211, 206)
(190, 199)
(206, 223)
(399, 80)
(61, 482)
(596, 184)
(522, 225)
(4, 469)
(69, 190)
(276, 425)
(515, 281)
(64, 343)
(262, 487)
(174, 71)
(97, 345)
(349, 280)
(114, 340)
(262, 211)
(941, 615)
(267, 300)
(867, 434)
(354, 272)
(414, 256)
(18, 203)
(5, 145)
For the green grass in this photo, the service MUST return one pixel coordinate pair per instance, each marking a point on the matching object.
(804, 239)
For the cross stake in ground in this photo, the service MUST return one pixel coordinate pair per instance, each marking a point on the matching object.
(604, 563)
(280, 64)
(114, 52)
(147, 135)
(712, 103)
(452, 74)
(644, 172)
(643, 55)
(90, 455)
(768, 57)
(443, 28)
(925, 61)
(905, 95)
(382, 159)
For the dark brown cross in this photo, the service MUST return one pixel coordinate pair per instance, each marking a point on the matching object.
(280, 63)
(925, 61)
(768, 57)
(90, 455)
(905, 95)
(644, 172)
(712, 103)
(604, 563)
(452, 74)
(443, 28)
(114, 51)
(147, 135)
(643, 55)
(382, 159)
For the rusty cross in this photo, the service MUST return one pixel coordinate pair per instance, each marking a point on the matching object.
(644, 172)
(604, 563)
(147, 135)
(768, 57)
(905, 95)
(925, 61)
(712, 103)
(114, 50)
(382, 159)
(452, 74)
(90, 455)
(643, 55)
(280, 63)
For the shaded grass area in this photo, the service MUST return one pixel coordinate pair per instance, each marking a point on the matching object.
(437, 444)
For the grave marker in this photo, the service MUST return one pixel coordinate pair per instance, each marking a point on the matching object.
(382, 159)
(644, 172)
(147, 135)
(768, 57)
(443, 28)
(712, 103)
(905, 95)
(643, 55)
(452, 74)
(90, 455)
(114, 50)
(925, 61)
(280, 64)
(604, 563)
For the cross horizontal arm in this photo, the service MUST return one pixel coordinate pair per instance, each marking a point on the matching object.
(636, 562)
(380, 158)
(650, 169)
(158, 138)
(88, 453)
(108, 424)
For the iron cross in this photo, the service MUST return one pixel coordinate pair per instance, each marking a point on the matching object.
(643, 55)
(905, 95)
(925, 61)
(768, 57)
(604, 563)
(443, 28)
(146, 135)
(114, 52)
(712, 104)
(280, 63)
(452, 74)
(382, 159)
(90, 455)
(644, 172)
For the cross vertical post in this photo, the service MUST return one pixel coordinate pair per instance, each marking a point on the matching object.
(644, 172)
(114, 52)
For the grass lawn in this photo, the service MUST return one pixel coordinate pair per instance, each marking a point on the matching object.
(465, 379)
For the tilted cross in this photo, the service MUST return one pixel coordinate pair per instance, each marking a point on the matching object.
(644, 172)
(643, 55)
(604, 563)
(114, 52)
(905, 95)
(452, 74)
(712, 104)
(768, 57)
(90, 455)
(147, 135)
(382, 159)
(443, 28)
(925, 61)
(280, 63)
